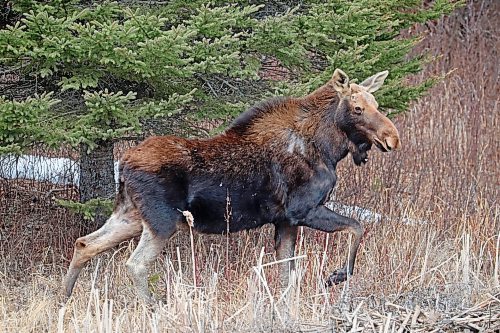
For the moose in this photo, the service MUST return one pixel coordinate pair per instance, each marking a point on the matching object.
(276, 163)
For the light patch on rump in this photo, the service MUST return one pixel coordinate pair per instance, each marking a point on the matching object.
(295, 143)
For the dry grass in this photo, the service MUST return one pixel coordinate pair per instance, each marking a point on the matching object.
(440, 275)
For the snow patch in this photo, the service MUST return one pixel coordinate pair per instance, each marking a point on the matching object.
(367, 215)
(56, 170)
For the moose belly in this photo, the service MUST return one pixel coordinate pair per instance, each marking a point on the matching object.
(218, 207)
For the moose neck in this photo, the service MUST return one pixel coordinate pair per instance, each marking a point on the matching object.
(330, 140)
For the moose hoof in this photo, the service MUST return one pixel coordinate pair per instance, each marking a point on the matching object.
(338, 276)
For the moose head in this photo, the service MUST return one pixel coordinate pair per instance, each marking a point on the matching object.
(358, 117)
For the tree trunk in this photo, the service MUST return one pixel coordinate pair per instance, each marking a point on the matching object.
(97, 176)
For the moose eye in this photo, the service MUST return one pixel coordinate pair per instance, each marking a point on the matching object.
(358, 110)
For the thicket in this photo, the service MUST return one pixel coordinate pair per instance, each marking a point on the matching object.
(102, 71)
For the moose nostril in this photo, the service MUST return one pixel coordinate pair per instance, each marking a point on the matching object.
(393, 143)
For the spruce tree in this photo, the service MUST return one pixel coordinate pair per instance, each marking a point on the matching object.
(102, 70)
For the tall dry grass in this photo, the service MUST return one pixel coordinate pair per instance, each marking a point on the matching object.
(440, 274)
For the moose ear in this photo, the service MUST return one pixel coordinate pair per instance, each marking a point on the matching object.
(340, 82)
(373, 83)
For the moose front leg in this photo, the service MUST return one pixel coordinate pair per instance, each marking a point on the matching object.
(285, 237)
(324, 219)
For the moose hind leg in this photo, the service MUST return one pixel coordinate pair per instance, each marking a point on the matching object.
(285, 238)
(149, 247)
(118, 228)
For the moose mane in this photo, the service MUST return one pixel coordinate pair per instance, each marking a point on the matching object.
(245, 120)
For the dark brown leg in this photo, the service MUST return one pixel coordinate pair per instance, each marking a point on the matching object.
(285, 237)
(324, 219)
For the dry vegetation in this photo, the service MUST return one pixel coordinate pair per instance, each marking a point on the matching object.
(438, 275)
